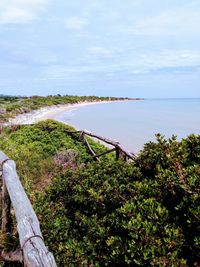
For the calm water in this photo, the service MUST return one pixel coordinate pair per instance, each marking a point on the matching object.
(133, 123)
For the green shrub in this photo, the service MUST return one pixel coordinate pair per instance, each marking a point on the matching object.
(105, 215)
(144, 213)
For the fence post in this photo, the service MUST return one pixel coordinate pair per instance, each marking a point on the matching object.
(5, 209)
(119, 153)
(6, 205)
(81, 137)
(35, 253)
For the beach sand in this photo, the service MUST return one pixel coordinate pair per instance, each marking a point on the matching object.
(48, 113)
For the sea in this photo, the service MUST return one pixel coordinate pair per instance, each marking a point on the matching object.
(134, 123)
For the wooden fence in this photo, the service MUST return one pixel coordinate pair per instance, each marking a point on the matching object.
(117, 147)
(32, 252)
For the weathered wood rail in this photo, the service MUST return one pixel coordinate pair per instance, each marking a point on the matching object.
(118, 148)
(32, 252)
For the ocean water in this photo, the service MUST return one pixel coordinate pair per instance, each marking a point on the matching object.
(134, 123)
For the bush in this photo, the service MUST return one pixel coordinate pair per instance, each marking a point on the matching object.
(144, 213)
(105, 215)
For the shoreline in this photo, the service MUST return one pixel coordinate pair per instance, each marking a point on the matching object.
(50, 112)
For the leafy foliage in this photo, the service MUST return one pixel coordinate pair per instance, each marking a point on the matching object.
(112, 213)
(10, 106)
(175, 167)
(34, 147)
(110, 219)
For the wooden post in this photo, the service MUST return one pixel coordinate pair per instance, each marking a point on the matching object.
(5, 214)
(125, 158)
(6, 205)
(1, 185)
(107, 141)
(81, 137)
(105, 152)
(117, 153)
(91, 151)
(110, 142)
(35, 253)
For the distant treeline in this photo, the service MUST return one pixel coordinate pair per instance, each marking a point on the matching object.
(10, 106)
(11, 97)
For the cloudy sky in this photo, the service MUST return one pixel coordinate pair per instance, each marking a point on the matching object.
(138, 48)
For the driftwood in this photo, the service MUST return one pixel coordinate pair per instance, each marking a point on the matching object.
(35, 254)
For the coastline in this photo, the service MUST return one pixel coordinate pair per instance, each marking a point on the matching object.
(49, 112)
(52, 112)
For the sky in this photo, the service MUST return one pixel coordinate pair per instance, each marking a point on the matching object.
(135, 48)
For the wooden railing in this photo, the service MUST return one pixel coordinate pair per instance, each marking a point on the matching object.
(117, 147)
(32, 252)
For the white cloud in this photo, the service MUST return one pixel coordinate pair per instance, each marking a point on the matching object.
(20, 11)
(171, 58)
(76, 23)
(100, 51)
(168, 61)
(180, 21)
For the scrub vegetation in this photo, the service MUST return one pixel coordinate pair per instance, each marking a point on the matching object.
(10, 106)
(144, 212)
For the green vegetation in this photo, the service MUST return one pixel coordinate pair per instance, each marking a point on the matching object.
(112, 213)
(10, 106)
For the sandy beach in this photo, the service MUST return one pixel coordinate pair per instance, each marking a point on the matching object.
(48, 113)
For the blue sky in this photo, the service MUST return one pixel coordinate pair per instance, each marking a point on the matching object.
(137, 48)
